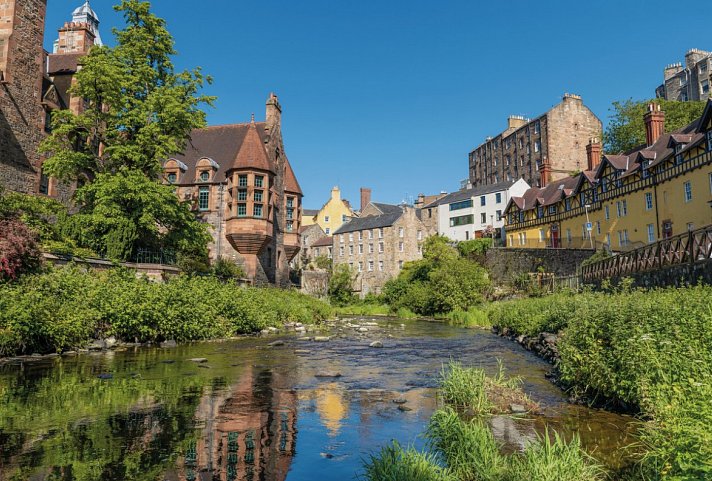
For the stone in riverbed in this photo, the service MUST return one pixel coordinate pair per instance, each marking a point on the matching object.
(517, 409)
(400, 400)
(198, 359)
(96, 345)
(376, 344)
(300, 329)
(362, 329)
(322, 339)
(276, 343)
(169, 343)
(110, 342)
(404, 408)
(327, 374)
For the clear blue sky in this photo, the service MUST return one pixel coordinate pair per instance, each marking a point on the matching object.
(394, 94)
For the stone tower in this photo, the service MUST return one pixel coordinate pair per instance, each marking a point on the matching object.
(79, 35)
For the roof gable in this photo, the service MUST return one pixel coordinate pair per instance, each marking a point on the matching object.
(252, 153)
(705, 122)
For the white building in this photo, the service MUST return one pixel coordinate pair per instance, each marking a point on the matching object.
(474, 212)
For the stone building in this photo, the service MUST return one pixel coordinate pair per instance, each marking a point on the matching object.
(377, 244)
(559, 136)
(239, 181)
(310, 236)
(689, 82)
(33, 83)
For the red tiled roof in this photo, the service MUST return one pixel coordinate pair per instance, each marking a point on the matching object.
(291, 184)
(63, 62)
(252, 153)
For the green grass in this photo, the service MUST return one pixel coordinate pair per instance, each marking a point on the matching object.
(472, 318)
(395, 463)
(364, 310)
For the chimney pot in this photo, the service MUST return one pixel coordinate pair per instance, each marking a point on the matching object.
(593, 153)
(654, 123)
(365, 197)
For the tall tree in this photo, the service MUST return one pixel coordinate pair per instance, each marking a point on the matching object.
(137, 112)
(626, 128)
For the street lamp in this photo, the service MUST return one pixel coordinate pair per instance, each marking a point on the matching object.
(589, 226)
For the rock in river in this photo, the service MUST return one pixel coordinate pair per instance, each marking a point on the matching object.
(376, 344)
(276, 343)
(322, 339)
(198, 359)
(327, 374)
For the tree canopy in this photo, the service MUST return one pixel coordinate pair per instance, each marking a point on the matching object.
(137, 112)
(626, 128)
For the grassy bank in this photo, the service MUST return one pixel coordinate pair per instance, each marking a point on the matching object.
(464, 450)
(64, 308)
(648, 350)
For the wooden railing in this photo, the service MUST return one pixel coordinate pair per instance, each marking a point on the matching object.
(689, 248)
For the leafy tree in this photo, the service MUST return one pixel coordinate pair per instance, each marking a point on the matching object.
(626, 128)
(340, 290)
(137, 112)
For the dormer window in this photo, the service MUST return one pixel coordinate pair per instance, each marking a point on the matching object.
(567, 204)
(540, 212)
(204, 176)
(172, 177)
(552, 209)
(678, 155)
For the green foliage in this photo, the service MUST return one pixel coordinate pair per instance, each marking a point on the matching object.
(322, 262)
(473, 317)
(439, 283)
(470, 388)
(138, 111)
(125, 211)
(340, 290)
(226, 269)
(626, 128)
(474, 248)
(599, 255)
(64, 308)
(395, 463)
(646, 350)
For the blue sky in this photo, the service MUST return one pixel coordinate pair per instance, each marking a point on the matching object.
(394, 94)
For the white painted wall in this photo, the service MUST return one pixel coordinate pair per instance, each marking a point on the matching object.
(492, 211)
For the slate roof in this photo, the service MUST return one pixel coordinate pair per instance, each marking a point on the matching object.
(370, 222)
(309, 212)
(387, 208)
(471, 192)
(324, 242)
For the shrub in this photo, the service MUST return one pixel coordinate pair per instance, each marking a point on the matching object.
(395, 463)
(19, 252)
(340, 290)
(227, 269)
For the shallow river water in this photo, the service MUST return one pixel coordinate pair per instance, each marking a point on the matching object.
(255, 412)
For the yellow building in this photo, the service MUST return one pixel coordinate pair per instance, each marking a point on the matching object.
(332, 215)
(623, 201)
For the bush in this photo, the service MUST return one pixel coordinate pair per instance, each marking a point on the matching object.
(340, 290)
(66, 307)
(19, 252)
(227, 269)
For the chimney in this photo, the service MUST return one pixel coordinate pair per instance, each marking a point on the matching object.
(365, 197)
(593, 153)
(545, 176)
(273, 114)
(516, 121)
(654, 123)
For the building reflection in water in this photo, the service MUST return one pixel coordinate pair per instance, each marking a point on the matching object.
(248, 431)
(332, 406)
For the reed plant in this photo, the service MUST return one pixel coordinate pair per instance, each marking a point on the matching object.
(396, 463)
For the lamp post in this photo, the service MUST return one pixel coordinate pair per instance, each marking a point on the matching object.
(589, 226)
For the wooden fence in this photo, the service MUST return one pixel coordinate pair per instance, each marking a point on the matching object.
(689, 248)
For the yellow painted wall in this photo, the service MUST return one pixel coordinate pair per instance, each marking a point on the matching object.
(330, 216)
(674, 207)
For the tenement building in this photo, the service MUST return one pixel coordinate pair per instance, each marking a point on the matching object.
(624, 201)
(33, 83)
(332, 214)
(377, 244)
(559, 136)
(473, 212)
(690, 81)
(239, 181)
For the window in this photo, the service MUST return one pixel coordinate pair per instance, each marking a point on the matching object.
(651, 233)
(327, 231)
(552, 209)
(688, 191)
(341, 251)
(540, 212)
(380, 266)
(401, 232)
(326, 219)
(242, 194)
(703, 66)
(537, 145)
(172, 177)
(203, 198)
(370, 248)
(709, 140)
(568, 235)
(351, 236)
(705, 87)
(622, 208)
(678, 155)
(598, 227)
(710, 176)
(483, 218)
(258, 196)
(290, 225)
(380, 247)
(482, 200)
(400, 247)
(380, 233)
(400, 264)
(341, 238)
(44, 184)
(257, 209)
(242, 180)
(290, 202)
(370, 266)
(498, 217)
(370, 234)
(360, 235)
(351, 250)
(461, 205)
(360, 266)
(420, 235)
(498, 198)
(608, 212)
(462, 220)
(242, 210)
(567, 204)
(537, 127)
(542, 235)
(360, 248)
(343, 217)
(204, 176)
(259, 180)
(648, 201)
(608, 239)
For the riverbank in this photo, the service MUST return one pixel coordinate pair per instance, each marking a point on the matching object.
(66, 309)
(647, 352)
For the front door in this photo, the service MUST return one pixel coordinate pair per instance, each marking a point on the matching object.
(555, 242)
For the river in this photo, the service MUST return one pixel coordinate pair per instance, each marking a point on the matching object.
(252, 411)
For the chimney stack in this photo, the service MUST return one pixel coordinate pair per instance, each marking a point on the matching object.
(545, 173)
(365, 197)
(273, 115)
(593, 153)
(654, 123)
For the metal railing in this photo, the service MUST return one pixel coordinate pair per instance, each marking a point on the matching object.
(689, 248)
(155, 256)
(560, 243)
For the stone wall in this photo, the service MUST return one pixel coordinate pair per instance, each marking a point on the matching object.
(679, 275)
(315, 283)
(155, 272)
(21, 112)
(505, 264)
